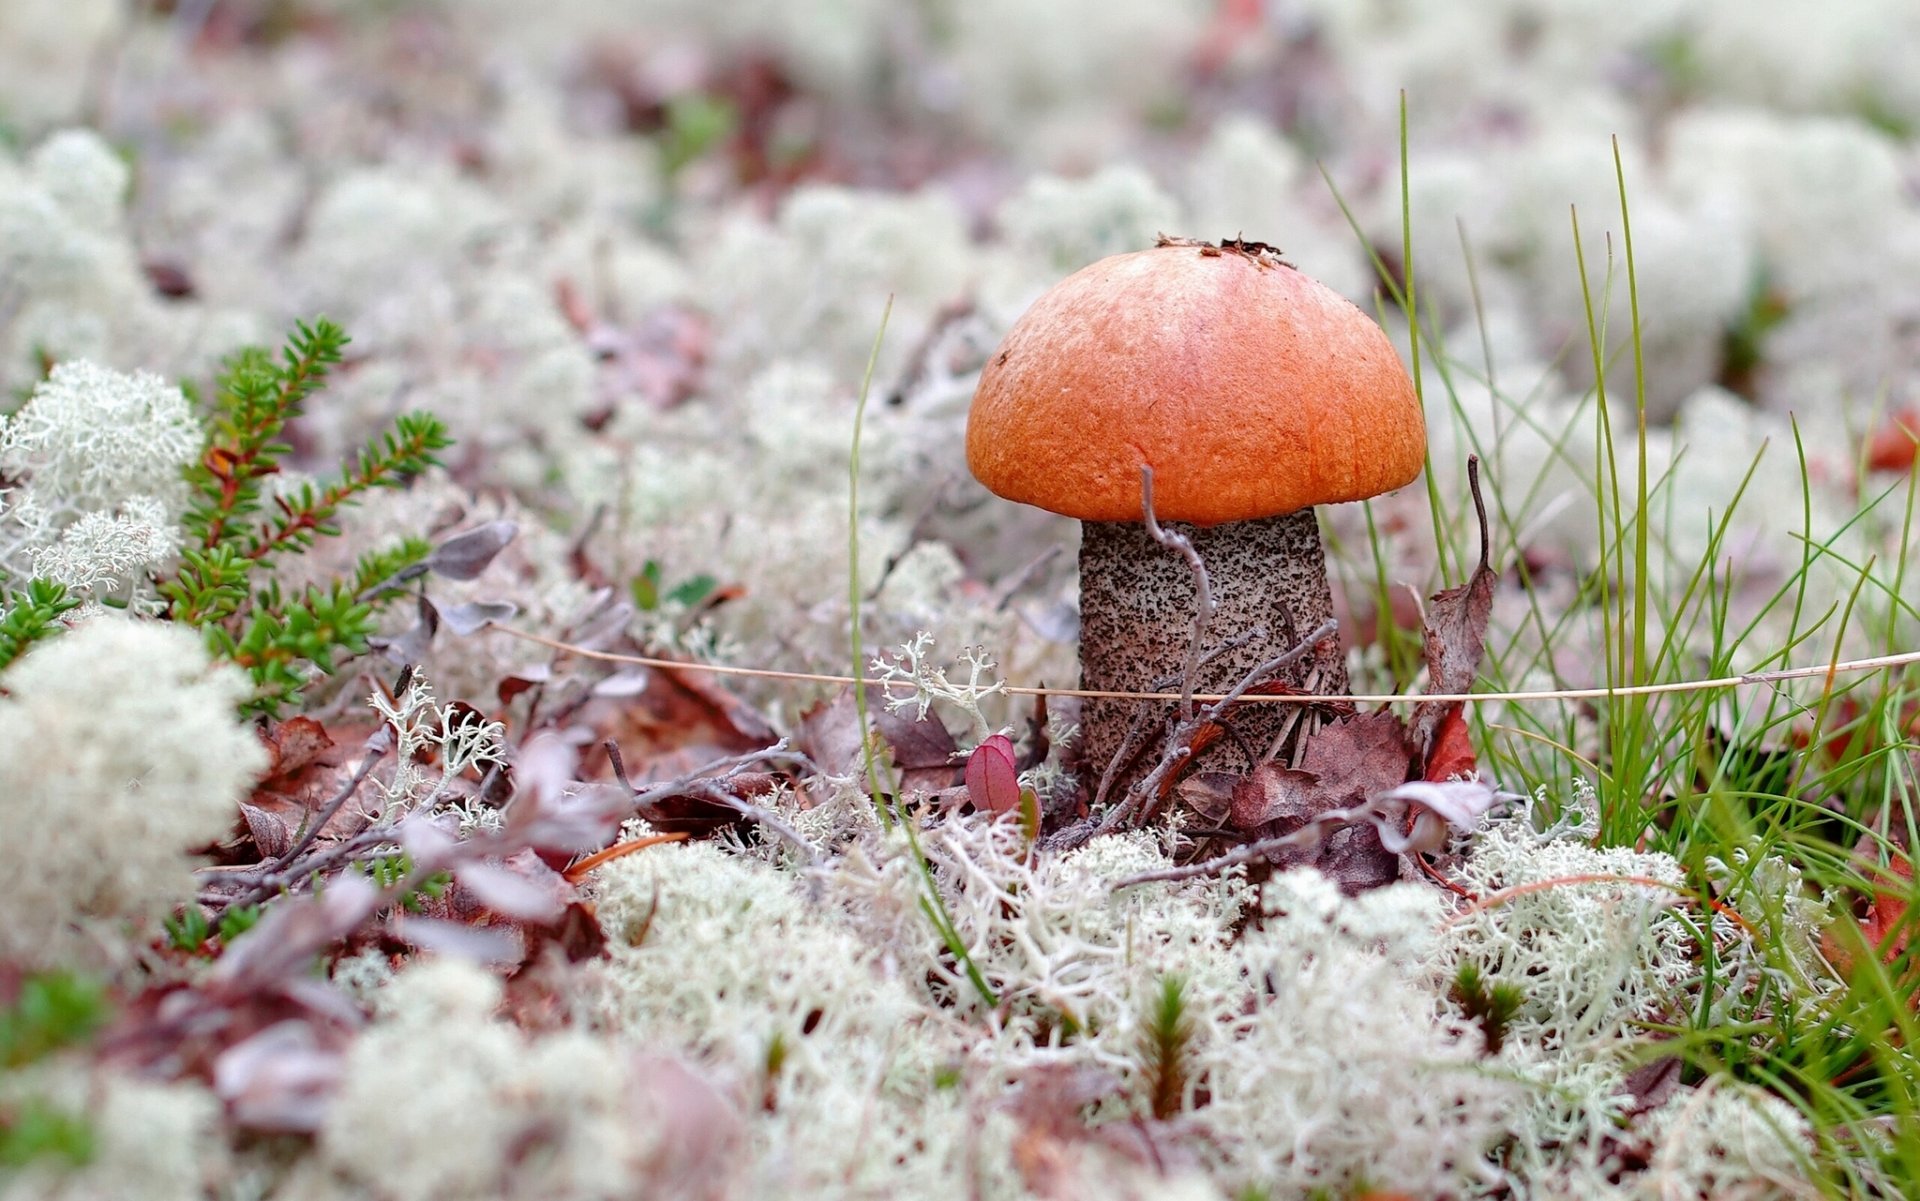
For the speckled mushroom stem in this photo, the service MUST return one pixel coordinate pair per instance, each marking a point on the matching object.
(1137, 602)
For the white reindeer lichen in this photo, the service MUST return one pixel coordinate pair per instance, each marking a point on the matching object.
(914, 669)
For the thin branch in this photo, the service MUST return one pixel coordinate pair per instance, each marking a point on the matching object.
(377, 749)
(1820, 671)
(1137, 730)
(1203, 608)
(700, 782)
(1311, 834)
(1144, 797)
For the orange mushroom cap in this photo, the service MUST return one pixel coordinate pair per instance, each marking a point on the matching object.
(1251, 389)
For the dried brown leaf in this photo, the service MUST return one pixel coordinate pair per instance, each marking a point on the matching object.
(1456, 631)
(1343, 766)
(1210, 794)
(271, 835)
(1271, 793)
(1357, 758)
(293, 744)
(923, 751)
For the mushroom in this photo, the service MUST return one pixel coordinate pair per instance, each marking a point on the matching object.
(1253, 393)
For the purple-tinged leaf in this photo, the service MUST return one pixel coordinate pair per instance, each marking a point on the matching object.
(464, 556)
(427, 840)
(281, 948)
(511, 894)
(474, 616)
(479, 944)
(1436, 806)
(279, 1080)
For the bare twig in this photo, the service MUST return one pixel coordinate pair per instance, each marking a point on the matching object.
(1144, 796)
(700, 782)
(296, 869)
(1137, 730)
(377, 748)
(1311, 834)
(1203, 607)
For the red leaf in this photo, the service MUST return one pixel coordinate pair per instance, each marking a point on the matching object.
(993, 782)
(1882, 925)
(1892, 446)
(1451, 752)
(1884, 929)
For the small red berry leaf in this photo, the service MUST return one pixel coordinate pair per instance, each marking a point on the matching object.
(993, 783)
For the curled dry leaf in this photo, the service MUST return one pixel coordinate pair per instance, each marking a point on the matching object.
(464, 556)
(271, 835)
(1459, 804)
(1209, 793)
(279, 1080)
(1456, 639)
(293, 744)
(474, 616)
(479, 944)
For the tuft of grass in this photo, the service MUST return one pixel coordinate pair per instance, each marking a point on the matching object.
(53, 1011)
(932, 903)
(1824, 778)
(1166, 1048)
(1492, 1006)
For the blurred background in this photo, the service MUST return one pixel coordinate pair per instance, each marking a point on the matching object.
(637, 253)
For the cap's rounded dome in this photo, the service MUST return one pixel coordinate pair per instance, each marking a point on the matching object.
(1249, 388)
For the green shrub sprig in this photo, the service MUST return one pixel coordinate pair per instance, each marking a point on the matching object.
(282, 637)
(30, 614)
